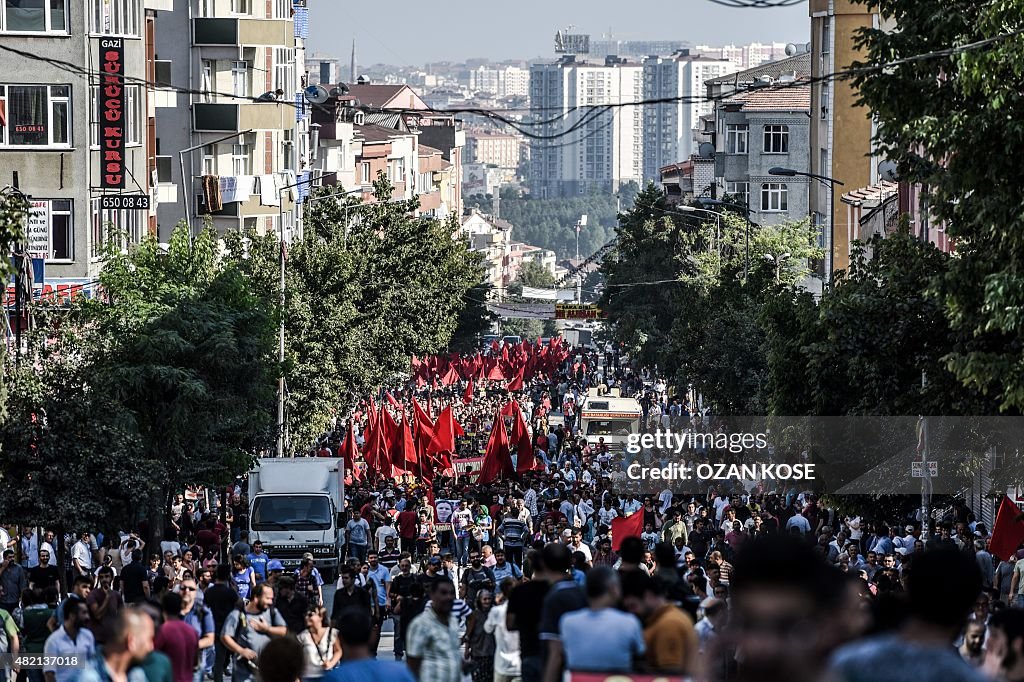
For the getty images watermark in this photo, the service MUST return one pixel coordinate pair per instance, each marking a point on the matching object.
(676, 443)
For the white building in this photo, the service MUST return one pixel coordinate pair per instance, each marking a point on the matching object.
(670, 126)
(745, 56)
(597, 148)
(501, 81)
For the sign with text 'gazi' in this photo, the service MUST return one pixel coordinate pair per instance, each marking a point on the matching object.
(111, 113)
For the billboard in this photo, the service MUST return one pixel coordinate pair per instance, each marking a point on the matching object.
(572, 43)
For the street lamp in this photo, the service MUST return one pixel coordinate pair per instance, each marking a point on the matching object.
(746, 214)
(777, 262)
(832, 182)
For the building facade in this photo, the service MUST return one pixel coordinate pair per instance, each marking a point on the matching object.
(503, 151)
(670, 131)
(88, 178)
(755, 131)
(229, 153)
(592, 147)
(500, 81)
(840, 129)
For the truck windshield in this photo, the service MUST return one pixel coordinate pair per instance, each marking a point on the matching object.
(614, 427)
(294, 512)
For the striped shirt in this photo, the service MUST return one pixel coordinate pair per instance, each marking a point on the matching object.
(437, 645)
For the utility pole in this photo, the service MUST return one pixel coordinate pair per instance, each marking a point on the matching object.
(579, 270)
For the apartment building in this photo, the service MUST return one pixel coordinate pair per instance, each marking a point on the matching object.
(600, 148)
(670, 131)
(229, 153)
(493, 238)
(88, 178)
(841, 130)
(495, 149)
(757, 130)
(500, 81)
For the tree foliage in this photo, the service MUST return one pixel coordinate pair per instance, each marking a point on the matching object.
(164, 381)
(551, 223)
(953, 122)
(367, 286)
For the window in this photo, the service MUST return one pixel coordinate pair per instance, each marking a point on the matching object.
(776, 139)
(241, 159)
(282, 9)
(36, 116)
(133, 123)
(34, 16)
(284, 70)
(736, 138)
(824, 101)
(209, 160)
(124, 227)
(364, 173)
(740, 190)
(241, 7)
(114, 17)
(49, 229)
(206, 85)
(826, 36)
(774, 197)
(164, 164)
(240, 79)
(288, 150)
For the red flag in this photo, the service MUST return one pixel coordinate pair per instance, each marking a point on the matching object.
(391, 399)
(521, 440)
(497, 462)
(626, 527)
(443, 439)
(410, 455)
(450, 377)
(374, 450)
(424, 425)
(494, 371)
(348, 451)
(517, 383)
(467, 395)
(1008, 531)
(372, 410)
(392, 455)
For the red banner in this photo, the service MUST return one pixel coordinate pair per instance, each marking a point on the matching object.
(111, 113)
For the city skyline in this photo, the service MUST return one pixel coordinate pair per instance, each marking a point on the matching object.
(524, 36)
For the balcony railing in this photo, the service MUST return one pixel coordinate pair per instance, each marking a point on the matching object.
(217, 31)
(228, 117)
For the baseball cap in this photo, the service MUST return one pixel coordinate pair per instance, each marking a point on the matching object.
(275, 565)
(435, 561)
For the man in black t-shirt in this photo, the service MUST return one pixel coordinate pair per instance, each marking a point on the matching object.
(407, 596)
(45, 574)
(221, 598)
(524, 611)
(564, 597)
(134, 581)
(349, 596)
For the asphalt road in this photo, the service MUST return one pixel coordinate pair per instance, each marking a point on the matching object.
(386, 649)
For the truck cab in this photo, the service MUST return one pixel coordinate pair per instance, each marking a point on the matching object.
(296, 505)
(609, 417)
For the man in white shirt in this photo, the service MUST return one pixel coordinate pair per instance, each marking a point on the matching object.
(798, 520)
(606, 513)
(81, 555)
(385, 531)
(577, 545)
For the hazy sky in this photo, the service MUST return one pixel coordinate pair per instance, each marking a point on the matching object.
(409, 32)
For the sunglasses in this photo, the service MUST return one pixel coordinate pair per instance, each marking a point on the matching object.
(188, 589)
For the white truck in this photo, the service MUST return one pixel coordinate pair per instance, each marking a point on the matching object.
(610, 417)
(297, 505)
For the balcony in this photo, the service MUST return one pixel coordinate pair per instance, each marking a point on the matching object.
(229, 117)
(236, 31)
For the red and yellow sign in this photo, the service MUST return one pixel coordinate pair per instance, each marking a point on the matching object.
(578, 311)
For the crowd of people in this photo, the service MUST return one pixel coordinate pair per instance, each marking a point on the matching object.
(523, 578)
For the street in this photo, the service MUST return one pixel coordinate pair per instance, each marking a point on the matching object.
(386, 650)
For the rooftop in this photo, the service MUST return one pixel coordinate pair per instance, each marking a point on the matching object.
(872, 195)
(371, 95)
(780, 98)
(376, 133)
(800, 63)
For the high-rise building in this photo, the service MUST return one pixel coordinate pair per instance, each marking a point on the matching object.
(500, 81)
(670, 125)
(87, 175)
(240, 141)
(590, 147)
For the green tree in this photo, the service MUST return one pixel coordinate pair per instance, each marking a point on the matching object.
(368, 285)
(951, 122)
(14, 209)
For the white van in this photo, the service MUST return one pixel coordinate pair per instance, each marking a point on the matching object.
(610, 417)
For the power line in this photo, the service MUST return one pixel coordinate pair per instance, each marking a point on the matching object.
(592, 111)
(756, 4)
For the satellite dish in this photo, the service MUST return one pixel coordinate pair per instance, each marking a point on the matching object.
(790, 50)
(706, 150)
(887, 171)
(316, 94)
